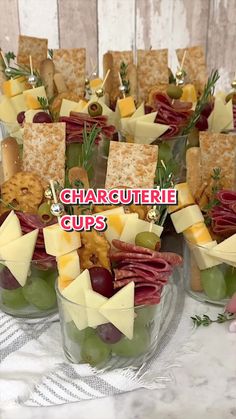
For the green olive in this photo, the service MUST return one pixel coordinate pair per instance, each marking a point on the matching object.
(174, 92)
(44, 212)
(95, 109)
(147, 239)
(231, 95)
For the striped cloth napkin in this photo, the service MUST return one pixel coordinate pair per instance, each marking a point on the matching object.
(34, 371)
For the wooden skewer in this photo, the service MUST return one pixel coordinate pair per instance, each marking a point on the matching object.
(54, 195)
(31, 68)
(183, 59)
(105, 79)
(121, 83)
(4, 59)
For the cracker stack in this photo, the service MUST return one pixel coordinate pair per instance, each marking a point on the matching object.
(71, 64)
(36, 47)
(195, 65)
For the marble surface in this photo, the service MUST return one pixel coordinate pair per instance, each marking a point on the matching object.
(203, 386)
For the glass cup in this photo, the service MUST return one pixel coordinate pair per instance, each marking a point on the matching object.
(209, 278)
(37, 297)
(104, 346)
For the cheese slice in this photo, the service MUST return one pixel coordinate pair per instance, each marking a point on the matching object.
(18, 103)
(10, 229)
(202, 257)
(226, 250)
(68, 266)
(146, 132)
(186, 217)
(140, 111)
(185, 197)
(31, 97)
(94, 301)
(131, 123)
(18, 255)
(67, 106)
(75, 292)
(133, 226)
(59, 242)
(13, 87)
(197, 234)
(221, 117)
(119, 310)
(29, 115)
(7, 111)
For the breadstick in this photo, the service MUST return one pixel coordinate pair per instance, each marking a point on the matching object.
(10, 157)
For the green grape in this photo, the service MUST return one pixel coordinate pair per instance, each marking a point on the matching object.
(51, 279)
(147, 239)
(173, 167)
(135, 347)
(14, 298)
(145, 315)
(41, 273)
(213, 283)
(73, 152)
(44, 212)
(230, 279)
(40, 294)
(77, 335)
(164, 152)
(106, 147)
(94, 351)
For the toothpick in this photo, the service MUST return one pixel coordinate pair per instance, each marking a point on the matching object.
(105, 79)
(54, 195)
(183, 59)
(31, 65)
(121, 83)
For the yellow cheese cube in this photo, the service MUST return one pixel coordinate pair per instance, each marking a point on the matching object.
(202, 257)
(31, 96)
(68, 266)
(7, 112)
(189, 93)
(185, 197)
(19, 103)
(59, 242)
(197, 234)
(126, 106)
(13, 87)
(186, 217)
(95, 83)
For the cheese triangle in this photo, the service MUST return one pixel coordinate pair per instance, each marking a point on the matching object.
(147, 132)
(18, 255)
(119, 310)
(10, 229)
(94, 301)
(226, 250)
(140, 111)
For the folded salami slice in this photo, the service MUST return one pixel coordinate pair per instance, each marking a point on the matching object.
(227, 197)
(147, 294)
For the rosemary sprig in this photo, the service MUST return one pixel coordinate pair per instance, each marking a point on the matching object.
(88, 147)
(205, 320)
(43, 103)
(163, 180)
(21, 70)
(216, 176)
(124, 75)
(208, 91)
(9, 56)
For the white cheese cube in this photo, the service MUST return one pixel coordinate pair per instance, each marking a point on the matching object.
(133, 226)
(186, 217)
(68, 266)
(59, 242)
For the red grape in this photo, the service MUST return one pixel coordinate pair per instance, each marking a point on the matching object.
(102, 281)
(208, 108)
(42, 117)
(7, 280)
(202, 123)
(109, 333)
(20, 117)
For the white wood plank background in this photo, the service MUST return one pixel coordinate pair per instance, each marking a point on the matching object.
(100, 25)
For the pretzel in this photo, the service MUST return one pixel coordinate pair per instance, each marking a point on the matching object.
(94, 250)
(23, 191)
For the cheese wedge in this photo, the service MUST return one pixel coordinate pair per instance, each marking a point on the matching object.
(59, 242)
(94, 301)
(133, 226)
(126, 106)
(13, 87)
(226, 250)
(146, 132)
(197, 234)
(18, 103)
(75, 292)
(7, 111)
(202, 256)
(186, 217)
(185, 197)
(119, 310)
(31, 96)
(18, 255)
(68, 266)
(10, 229)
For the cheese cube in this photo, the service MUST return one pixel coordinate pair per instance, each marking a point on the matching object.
(68, 266)
(226, 250)
(185, 197)
(13, 87)
(116, 219)
(7, 111)
(31, 96)
(189, 93)
(202, 257)
(75, 292)
(19, 103)
(126, 106)
(95, 84)
(147, 132)
(67, 106)
(186, 217)
(59, 242)
(133, 226)
(94, 301)
(197, 234)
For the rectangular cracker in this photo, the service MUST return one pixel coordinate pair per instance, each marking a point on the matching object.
(193, 163)
(112, 60)
(218, 151)
(194, 65)
(152, 69)
(44, 151)
(71, 63)
(36, 47)
(131, 165)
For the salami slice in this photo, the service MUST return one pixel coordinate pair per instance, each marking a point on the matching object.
(147, 294)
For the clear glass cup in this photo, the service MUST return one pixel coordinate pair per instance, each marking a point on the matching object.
(37, 298)
(88, 345)
(209, 279)
(101, 162)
